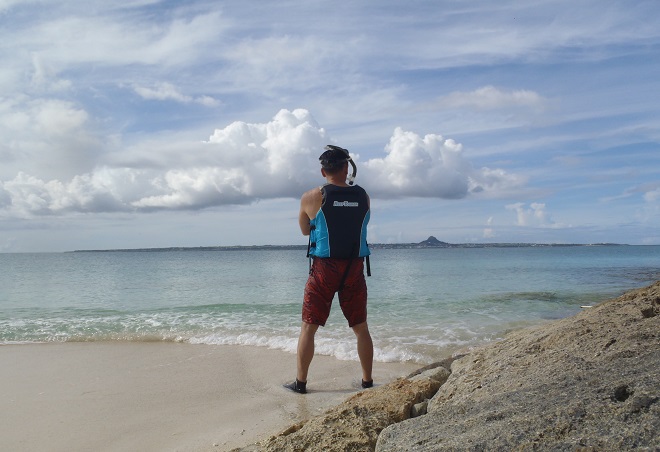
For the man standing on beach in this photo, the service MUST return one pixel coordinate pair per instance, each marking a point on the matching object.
(335, 216)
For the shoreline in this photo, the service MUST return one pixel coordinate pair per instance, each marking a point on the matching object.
(585, 382)
(112, 396)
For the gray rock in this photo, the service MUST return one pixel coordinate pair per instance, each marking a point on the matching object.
(353, 425)
(438, 374)
(419, 409)
(587, 382)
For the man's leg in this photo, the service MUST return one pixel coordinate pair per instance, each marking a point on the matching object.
(305, 349)
(365, 349)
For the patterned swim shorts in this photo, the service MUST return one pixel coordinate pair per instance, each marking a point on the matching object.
(324, 280)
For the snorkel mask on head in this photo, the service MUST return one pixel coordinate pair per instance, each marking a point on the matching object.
(335, 156)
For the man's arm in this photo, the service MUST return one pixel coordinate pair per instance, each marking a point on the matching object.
(310, 203)
(303, 218)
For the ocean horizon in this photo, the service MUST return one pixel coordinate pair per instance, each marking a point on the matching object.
(425, 303)
(431, 242)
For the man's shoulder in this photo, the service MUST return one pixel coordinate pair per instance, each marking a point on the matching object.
(312, 194)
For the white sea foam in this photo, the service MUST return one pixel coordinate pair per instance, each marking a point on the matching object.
(423, 304)
(342, 349)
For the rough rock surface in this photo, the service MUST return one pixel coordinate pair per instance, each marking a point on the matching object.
(354, 425)
(588, 382)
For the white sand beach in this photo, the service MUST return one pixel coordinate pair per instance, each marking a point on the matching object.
(155, 396)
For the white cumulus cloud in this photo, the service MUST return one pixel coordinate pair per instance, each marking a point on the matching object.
(51, 136)
(534, 216)
(243, 163)
(431, 166)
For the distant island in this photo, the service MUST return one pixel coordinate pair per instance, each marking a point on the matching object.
(431, 242)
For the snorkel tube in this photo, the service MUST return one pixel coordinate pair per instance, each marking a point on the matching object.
(351, 177)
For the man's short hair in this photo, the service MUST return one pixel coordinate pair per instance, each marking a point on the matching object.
(334, 158)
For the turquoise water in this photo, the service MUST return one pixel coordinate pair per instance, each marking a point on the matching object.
(423, 303)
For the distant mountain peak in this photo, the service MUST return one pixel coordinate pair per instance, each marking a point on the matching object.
(432, 241)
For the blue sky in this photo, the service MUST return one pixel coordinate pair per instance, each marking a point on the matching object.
(162, 123)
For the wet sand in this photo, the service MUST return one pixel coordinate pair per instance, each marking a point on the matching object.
(155, 396)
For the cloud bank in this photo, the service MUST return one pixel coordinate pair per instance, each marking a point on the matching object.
(243, 163)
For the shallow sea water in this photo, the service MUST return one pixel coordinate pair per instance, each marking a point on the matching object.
(424, 304)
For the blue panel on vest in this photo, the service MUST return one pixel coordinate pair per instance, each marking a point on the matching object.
(319, 236)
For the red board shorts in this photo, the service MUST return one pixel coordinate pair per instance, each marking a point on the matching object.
(324, 280)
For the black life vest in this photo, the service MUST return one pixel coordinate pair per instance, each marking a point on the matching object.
(339, 229)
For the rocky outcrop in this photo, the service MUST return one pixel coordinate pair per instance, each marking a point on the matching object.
(355, 424)
(589, 382)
